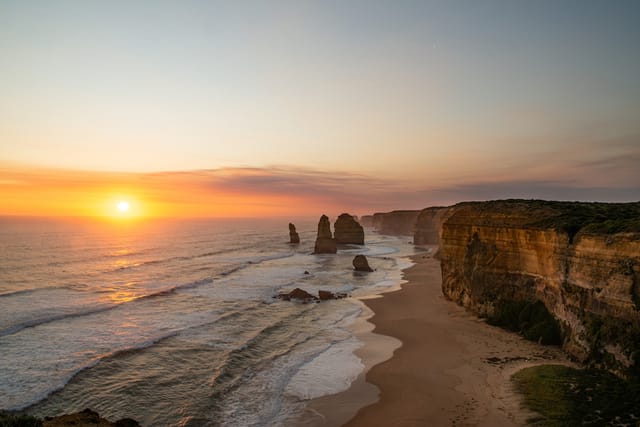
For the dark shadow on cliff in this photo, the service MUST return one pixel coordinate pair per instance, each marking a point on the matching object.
(532, 320)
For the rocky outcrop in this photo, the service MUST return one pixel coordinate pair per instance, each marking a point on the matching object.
(366, 220)
(325, 243)
(86, 418)
(360, 263)
(297, 294)
(348, 230)
(428, 226)
(301, 295)
(293, 234)
(397, 223)
(581, 260)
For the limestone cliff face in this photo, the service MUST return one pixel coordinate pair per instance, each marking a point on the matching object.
(293, 234)
(401, 223)
(325, 243)
(497, 252)
(428, 226)
(366, 220)
(348, 230)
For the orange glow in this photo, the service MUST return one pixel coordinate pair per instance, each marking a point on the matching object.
(133, 196)
(122, 295)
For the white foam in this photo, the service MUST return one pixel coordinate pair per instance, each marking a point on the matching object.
(332, 371)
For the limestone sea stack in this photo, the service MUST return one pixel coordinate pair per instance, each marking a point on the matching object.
(348, 230)
(293, 234)
(325, 243)
(360, 263)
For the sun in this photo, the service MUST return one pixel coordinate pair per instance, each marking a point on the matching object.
(123, 206)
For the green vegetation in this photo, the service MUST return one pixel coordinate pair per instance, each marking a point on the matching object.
(594, 218)
(532, 320)
(626, 333)
(15, 420)
(571, 217)
(564, 396)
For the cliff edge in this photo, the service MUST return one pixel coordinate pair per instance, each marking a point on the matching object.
(581, 260)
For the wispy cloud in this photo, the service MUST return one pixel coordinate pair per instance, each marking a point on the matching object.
(282, 190)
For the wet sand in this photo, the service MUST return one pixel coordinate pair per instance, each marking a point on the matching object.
(452, 369)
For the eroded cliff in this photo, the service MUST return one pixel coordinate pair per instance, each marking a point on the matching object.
(399, 223)
(428, 225)
(581, 260)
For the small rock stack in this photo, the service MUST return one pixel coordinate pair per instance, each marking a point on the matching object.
(325, 243)
(293, 234)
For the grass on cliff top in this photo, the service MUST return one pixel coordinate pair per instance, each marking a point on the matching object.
(564, 396)
(572, 217)
(13, 420)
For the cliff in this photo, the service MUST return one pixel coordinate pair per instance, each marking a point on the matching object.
(395, 222)
(428, 225)
(581, 260)
(348, 230)
(366, 220)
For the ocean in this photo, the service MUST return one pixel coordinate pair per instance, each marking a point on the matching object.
(175, 322)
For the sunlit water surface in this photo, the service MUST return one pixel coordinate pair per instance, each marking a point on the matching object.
(174, 323)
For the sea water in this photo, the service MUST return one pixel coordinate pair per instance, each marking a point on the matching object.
(175, 322)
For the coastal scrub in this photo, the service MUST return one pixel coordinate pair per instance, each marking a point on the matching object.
(564, 396)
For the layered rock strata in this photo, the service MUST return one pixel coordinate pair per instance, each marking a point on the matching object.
(429, 225)
(348, 230)
(325, 243)
(293, 234)
(399, 223)
(366, 220)
(581, 260)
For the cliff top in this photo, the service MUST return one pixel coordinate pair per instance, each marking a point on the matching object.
(570, 217)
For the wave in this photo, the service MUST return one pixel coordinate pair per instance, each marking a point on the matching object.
(53, 318)
(30, 291)
(178, 258)
(88, 365)
(31, 323)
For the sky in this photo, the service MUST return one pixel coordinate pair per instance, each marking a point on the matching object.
(241, 108)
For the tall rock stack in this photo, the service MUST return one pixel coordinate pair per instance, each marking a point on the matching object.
(325, 243)
(348, 230)
(293, 234)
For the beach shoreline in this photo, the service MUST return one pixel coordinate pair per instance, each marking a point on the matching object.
(451, 369)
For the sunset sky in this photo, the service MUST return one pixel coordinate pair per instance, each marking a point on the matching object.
(207, 108)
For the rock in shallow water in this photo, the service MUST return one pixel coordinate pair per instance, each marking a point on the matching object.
(293, 234)
(360, 263)
(325, 243)
(348, 230)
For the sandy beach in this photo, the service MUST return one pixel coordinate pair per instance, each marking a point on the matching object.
(452, 369)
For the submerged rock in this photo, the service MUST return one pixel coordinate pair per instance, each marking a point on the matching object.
(304, 296)
(360, 263)
(325, 243)
(293, 234)
(325, 295)
(348, 230)
(298, 294)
